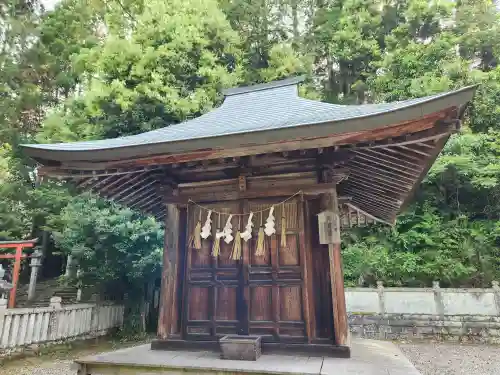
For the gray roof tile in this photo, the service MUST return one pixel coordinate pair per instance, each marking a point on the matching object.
(247, 110)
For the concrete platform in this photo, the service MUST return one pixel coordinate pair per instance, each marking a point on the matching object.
(369, 357)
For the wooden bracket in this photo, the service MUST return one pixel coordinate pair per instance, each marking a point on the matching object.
(242, 183)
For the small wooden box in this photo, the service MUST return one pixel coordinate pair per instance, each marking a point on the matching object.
(235, 347)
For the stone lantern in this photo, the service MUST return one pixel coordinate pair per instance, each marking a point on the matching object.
(5, 287)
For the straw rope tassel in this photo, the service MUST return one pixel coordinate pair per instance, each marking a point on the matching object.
(190, 239)
(236, 255)
(259, 251)
(283, 227)
(216, 244)
(197, 234)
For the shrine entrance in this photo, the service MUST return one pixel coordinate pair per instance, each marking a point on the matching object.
(264, 293)
(336, 167)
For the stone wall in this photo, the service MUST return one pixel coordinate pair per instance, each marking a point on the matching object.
(425, 313)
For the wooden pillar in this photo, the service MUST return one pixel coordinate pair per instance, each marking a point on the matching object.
(167, 320)
(15, 276)
(341, 328)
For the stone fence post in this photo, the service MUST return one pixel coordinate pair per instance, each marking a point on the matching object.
(381, 297)
(3, 309)
(35, 264)
(496, 290)
(55, 303)
(438, 299)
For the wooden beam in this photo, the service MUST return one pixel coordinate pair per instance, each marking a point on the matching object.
(380, 178)
(144, 200)
(100, 182)
(167, 321)
(111, 187)
(369, 181)
(63, 172)
(341, 327)
(396, 203)
(378, 152)
(434, 154)
(388, 165)
(383, 172)
(150, 204)
(85, 182)
(366, 186)
(249, 194)
(403, 154)
(374, 205)
(414, 150)
(422, 144)
(143, 184)
(399, 165)
(359, 210)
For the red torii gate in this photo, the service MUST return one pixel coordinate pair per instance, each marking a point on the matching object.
(19, 246)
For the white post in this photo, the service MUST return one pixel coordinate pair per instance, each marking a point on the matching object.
(55, 302)
(496, 289)
(381, 297)
(79, 274)
(3, 309)
(36, 262)
(70, 266)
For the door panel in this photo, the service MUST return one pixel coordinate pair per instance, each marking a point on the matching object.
(212, 284)
(261, 295)
(276, 278)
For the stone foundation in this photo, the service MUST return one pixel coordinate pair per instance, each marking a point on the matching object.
(460, 328)
(466, 315)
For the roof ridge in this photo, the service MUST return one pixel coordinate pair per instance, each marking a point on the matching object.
(264, 86)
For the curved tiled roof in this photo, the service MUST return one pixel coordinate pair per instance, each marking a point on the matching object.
(384, 149)
(249, 110)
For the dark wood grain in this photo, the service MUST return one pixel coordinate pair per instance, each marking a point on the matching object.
(168, 299)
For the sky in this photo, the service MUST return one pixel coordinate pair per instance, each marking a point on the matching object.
(49, 4)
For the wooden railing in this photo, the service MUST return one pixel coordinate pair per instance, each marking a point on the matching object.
(27, 326)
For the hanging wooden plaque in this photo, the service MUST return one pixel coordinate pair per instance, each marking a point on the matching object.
(328, 227)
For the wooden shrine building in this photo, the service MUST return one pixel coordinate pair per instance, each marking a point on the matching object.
(263, 147)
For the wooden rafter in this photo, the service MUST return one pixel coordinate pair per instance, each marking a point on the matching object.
(133, 189)
(388, 159)
(144, 193)
(368, 180)
(359, 210)
(62, 172)
(100, 182)
(146, 206)
(380, 171)
(412, 149)
(388, 165)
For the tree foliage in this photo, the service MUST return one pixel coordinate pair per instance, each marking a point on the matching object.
(115, 246)
(91, 69)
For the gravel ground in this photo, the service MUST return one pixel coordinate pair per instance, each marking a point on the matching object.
(429, 358)
(58, 360)
(54, 367)
(453, 359)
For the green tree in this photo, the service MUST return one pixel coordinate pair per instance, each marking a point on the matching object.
(115, 247)
(177, 58)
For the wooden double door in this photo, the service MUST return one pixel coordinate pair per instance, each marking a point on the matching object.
(258, 295)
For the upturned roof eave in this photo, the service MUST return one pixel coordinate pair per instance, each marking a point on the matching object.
(458, 98)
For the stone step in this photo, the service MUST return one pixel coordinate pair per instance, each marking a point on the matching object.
(44, 290)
